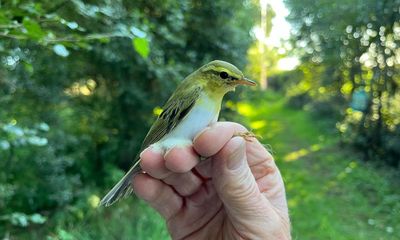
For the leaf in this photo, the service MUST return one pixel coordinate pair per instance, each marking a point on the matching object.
(19, 219)
(141, 46)
(3, 19)
(44, 126)
(64, 235)
(137, 32)
(4, 144)
(28, 67)
(37, 218)
(72, 25)
(33, 29)
(37, 141)
(61, 50)
(14, 130)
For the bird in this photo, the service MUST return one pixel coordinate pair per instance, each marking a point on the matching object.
(193, 106)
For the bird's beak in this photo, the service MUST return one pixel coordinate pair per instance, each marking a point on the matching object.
(246, 81)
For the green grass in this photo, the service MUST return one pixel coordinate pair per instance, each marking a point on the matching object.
(331, 193)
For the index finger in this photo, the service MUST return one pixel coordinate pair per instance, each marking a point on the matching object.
(211, 140)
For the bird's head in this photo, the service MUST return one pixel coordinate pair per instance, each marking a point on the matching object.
(220, 76)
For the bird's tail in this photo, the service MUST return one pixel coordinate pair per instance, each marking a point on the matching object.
(121, 189)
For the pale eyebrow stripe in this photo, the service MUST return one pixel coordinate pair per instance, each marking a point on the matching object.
(217, 70)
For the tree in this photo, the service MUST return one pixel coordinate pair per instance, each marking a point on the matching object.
(356, 44)
(79, 81)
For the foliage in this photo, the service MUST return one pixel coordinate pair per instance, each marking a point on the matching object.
(360, 52)
(81, 81)
(283, 81)
(271, 58)
(78, 82)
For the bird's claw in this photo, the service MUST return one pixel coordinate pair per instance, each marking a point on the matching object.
(247, 136)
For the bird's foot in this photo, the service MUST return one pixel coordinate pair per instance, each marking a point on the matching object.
(247, 136)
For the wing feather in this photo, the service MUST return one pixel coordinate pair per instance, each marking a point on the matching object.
(176, 108)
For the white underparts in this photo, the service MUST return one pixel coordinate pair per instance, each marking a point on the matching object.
(204, 112)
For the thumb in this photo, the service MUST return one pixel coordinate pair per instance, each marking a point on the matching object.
(249, 212)
(233, 180)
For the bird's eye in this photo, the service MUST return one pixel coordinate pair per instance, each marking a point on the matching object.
(224, 75)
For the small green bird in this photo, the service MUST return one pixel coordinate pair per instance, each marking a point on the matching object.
(193, 106)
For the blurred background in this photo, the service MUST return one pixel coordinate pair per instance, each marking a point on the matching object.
(82, 81)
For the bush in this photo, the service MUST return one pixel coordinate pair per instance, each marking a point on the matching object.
(299, 101)
(379, 145)
(329, 108)
(283, 81)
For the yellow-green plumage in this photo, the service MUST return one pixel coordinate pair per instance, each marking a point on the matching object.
(193, 106)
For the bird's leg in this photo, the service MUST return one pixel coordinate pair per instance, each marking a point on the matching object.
(248, 136)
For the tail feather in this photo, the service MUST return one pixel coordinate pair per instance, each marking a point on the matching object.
(121, 189)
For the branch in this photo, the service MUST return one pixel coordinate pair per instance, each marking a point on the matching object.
(11, 25)
(89, 37)
(18, 37)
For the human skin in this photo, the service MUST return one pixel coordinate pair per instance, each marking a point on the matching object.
(236, 193)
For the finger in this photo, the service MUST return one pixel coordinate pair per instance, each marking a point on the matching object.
(204, 168)
(200, 208)
(231, 173)
(257, 151)
(271, 185)
(181, 159)
(237, 187)
(260, 160)
(153, 163)
(265, 171)
(212, 139)
(184, 183)
(159, 195)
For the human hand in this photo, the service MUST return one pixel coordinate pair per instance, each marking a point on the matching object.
(236, 193)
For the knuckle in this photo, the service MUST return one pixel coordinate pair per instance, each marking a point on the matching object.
(242, 188)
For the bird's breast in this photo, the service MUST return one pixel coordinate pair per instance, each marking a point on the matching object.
(204, 112)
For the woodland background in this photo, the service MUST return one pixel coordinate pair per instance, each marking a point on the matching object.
(82, 81)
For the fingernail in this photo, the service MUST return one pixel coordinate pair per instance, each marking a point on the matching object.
(201, 132)
(153, 147)
(166, 152)
(237, 158)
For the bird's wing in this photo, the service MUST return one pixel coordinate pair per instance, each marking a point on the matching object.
(176, 108)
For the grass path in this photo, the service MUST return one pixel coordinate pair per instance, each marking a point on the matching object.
(331, 194)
